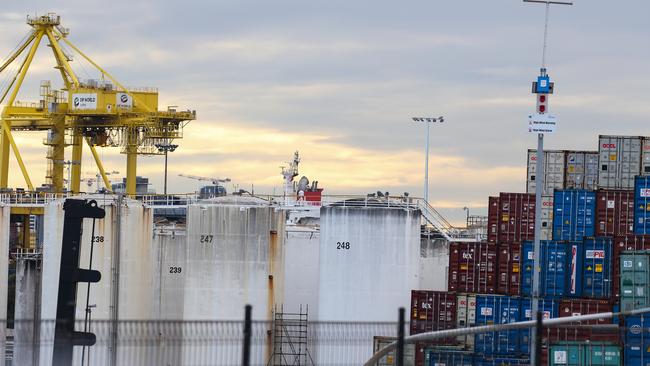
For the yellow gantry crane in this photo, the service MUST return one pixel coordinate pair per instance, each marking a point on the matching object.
(98, 112)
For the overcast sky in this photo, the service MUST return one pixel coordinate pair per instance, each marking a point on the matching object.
(339, 81)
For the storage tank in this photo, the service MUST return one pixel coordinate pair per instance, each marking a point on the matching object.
(233, 257)
(433, 263)
(368, 262)
(4, 271)
(301, 269)
(122, 254)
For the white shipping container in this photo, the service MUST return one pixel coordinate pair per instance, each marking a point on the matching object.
(645, 156)
(466, 317)
(619, 161)
(554, 165)
(546, 230)
(581, 170)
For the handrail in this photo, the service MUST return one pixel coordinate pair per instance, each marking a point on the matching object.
(450, 333)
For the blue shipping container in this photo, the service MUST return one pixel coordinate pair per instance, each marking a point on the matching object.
(448, 358)
(559, 275)
(486, 314)
(574, 212)
(637, 341)
(550, 308)
(642, 205)
(494, 309)
(500, 361)
(597, 268)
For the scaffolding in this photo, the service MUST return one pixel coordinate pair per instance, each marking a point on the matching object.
(290, 338)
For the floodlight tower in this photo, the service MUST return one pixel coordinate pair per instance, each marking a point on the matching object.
(540, 122)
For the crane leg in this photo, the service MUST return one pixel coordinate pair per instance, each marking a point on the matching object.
(75, 169)
(4, 158)
(57, 154)
(131, 163)
(100, 166)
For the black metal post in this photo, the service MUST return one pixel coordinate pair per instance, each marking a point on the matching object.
(246, 352)
(400, 339)
(538, 339)
(165, 190)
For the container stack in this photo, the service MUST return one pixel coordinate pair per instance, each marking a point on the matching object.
(595, 258)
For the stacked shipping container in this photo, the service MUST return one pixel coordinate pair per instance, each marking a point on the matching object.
(595, 212)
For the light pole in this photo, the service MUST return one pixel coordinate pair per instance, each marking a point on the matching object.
(166, 148)
(428, 121)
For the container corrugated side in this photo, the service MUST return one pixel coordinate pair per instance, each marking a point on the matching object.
(432, 311)
(584, 354)
(482, 360)
(637, 340)
(546, 231)
(596, 268)
(487, 313)
(642, 205)
(576, 307)
(619, 160)
(472, 267)
(516, 217)
(574, 214)
(509, 269)
(493, 219)
(559, 275)
(447, 357)
(508, 341)
(581, 170)
(635, 280)
(466, 317)
(614, 212)
(549, 307)
(554, 171)
(621, 244)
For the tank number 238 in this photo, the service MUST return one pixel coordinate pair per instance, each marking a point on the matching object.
(343, 245)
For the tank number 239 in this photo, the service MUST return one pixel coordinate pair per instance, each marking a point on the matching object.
(175, 269)
(343, 245)
(207, 239)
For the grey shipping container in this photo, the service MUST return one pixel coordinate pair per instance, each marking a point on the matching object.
(581, 170)
(619, 161)
(635, 277)
(554, 167)
(546, 230)
(563, 169)
(466, 317)
(380, 342)
(645, 156)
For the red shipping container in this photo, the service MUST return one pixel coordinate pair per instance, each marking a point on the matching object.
(472, 267)
(509, 269)
(622, 243)
(432, 310)
(614, 212)
(572, 332)
(493, 219)
(516, 217)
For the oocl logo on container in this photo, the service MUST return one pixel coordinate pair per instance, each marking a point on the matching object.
(609, 146)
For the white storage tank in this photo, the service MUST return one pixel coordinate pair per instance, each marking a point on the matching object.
(368, 262)
(123, 255)
(301, 269)
(233, 257)
(433, 263)
(4, 272)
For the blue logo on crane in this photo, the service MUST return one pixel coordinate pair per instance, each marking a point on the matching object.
(543, 84)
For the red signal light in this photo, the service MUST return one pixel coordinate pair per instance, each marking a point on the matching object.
(542, 98)
(542, 108)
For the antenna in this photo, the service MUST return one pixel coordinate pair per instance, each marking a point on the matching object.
(548, 8)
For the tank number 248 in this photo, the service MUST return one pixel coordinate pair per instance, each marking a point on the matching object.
(343, 245)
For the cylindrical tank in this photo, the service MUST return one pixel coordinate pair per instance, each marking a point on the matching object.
(4, 271)
(368, 262)
(233, 257)
(25, 328)
(301, 253)
(434, 263)
(122, 254)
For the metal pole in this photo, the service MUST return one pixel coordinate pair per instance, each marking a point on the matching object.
(539, 186)
(246, 352)
(165, 190)
(426, 167)
(538, 339)
(400, 338)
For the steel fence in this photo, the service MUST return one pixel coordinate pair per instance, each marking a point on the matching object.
(197, 343)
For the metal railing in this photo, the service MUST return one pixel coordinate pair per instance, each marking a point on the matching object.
(194, 343)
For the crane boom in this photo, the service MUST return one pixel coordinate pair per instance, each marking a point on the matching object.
(214, 181)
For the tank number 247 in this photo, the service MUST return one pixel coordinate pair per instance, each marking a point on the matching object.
(207, 239)
(343, 245)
